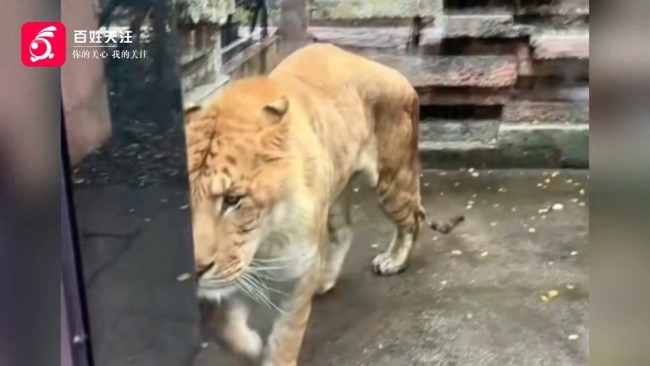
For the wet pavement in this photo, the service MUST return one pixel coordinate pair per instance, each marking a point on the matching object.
(509, 286)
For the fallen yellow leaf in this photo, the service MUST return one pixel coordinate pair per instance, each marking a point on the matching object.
(544, 298)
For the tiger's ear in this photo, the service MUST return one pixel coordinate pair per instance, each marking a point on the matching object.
(190, 111)
(276, 110)
(274, 134)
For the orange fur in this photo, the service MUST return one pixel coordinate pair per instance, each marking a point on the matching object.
(287, 145)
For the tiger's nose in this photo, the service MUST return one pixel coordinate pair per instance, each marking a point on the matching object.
(202, 268)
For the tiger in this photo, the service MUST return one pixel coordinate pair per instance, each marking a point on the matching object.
(269, 161)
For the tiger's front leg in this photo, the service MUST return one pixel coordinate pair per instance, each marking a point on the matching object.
(230, 320)
(286, 337)
(285, 340)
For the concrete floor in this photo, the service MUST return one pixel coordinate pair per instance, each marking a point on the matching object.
(476, 297)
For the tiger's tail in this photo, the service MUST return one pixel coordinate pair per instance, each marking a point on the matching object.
(439, 225)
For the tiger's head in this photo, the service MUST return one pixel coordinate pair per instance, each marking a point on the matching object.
(239, 172)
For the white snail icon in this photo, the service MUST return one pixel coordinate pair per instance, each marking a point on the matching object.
(40, 40)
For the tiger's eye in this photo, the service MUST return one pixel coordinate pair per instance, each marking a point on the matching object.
(231, 200)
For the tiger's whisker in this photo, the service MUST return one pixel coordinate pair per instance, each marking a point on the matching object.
(259, 293)
(267, 276)
(249, 289)
(267, 287)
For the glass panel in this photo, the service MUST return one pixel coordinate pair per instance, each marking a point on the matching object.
(122, 93)
(499, 85)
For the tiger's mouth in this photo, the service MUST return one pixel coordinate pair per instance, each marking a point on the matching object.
(216, 294)
(212, 277)
(220, 281)
(210, 284)
(216, 287)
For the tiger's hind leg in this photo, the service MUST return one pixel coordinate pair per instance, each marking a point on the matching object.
(399, 199)
(398, 187)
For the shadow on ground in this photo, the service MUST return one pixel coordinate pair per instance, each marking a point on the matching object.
(477, 297)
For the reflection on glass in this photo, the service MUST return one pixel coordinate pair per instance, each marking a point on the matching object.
(130, 197)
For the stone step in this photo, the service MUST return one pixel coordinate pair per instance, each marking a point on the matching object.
(547, 91)
(546, 112)
(378, 22)
(372, 10)
(560, 145)
(547, 42)
(362, 37)
(450, 96)
(451, 130)
(560, 44)
(455, 155)
(499, 24)
(565, 8)
(518, 145)
(452, 71)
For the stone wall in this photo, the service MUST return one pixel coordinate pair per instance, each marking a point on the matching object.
(322, 10)
(502, 83)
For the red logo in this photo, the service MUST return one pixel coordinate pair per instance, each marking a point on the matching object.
(42, 44)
